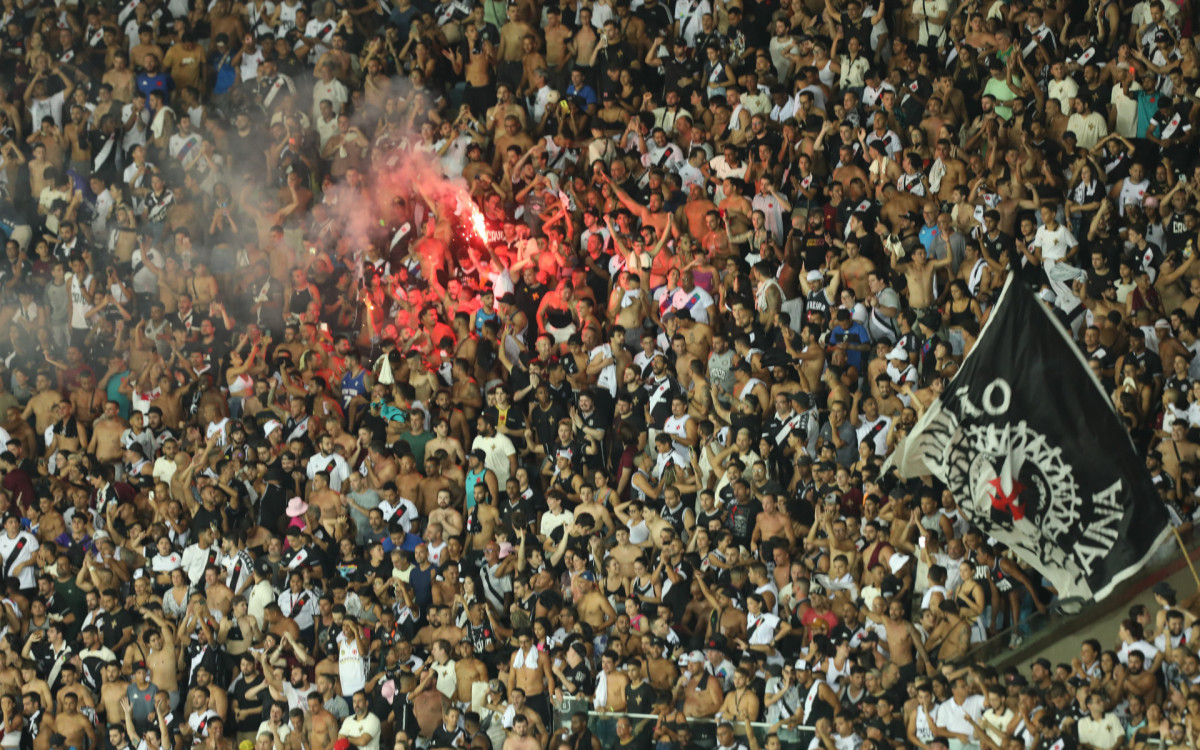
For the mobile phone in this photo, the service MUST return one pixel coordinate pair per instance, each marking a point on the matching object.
(324, 328)
(921, 542)
(564, 106)
(151, 495)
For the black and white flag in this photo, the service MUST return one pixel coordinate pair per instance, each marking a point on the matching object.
(1036, 457)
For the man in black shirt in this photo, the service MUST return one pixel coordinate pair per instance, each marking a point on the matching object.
(246, 710)
(639, 694)
(575, 677)
(117, 626)
(448, 732)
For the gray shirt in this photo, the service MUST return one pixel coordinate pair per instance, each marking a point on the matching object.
(848, 453)
(59, 300)
(368, 499)
(141, 704)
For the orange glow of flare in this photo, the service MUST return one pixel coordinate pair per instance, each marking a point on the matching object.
(478, 224)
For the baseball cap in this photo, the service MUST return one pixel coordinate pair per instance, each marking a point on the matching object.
(1042, 662)
(815, 275)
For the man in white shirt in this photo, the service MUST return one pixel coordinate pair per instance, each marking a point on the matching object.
(1099, 730)
(693, 299)
(1088, 126)
(960, 714)
(198, 556)
(725, 166)
(40, 103)
(494, 450)
(362, 729)
(329, 88)
(1061, 87)
(1055, 247)
(339, 471)
(16, 552)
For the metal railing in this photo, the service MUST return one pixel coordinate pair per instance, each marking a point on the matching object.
(603, 725)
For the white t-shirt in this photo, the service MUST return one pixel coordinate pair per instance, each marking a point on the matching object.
(352, 667)
(51, 105)
(1054, 243)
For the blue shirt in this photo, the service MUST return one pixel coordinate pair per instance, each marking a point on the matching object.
(585, 93)
(161, 82)
(927, 235)
(855, 334)
(1147, 108)
(113, 391)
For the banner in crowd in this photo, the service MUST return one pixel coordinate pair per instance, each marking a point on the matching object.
(1036, 456)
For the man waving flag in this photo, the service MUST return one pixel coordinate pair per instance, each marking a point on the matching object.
(1036, 457)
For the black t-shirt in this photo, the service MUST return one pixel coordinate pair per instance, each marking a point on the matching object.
(113, 625)
(639, 699)
(443, 737)
(545, 421)
(860, 30)
(238, 693)
(581, 678)
(529, 298)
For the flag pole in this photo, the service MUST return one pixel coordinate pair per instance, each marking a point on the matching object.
(1183, 548)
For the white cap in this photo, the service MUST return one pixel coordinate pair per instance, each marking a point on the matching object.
(897, 561)
(898, 352)
(815, 276)
(271, 426)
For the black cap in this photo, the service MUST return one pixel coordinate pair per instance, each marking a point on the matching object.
(716, 642)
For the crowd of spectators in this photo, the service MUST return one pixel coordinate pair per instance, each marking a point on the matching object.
(397, 373)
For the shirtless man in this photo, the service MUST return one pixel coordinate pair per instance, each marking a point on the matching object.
(624, 552)
(918, 270)
(557, 38)
(701, 692)
(771, 523)
(219, 596)
(161, 656)
(87, 399)
(518, 737)
(531, 673)
(31, 703)
(431, 486)
(904, 643)
(593, 606)
(1176, 450)
(742, 704)
(615, 682)
(856, 267)
(956, 171)
(70, 435)
(953, 633)
(322, 726)
(106, 434)
(628, 304)
(1141, 681)
(76, 728)
(43, 404)
(467, 670)
(447, 515)
(407, 479)
(112, 690)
